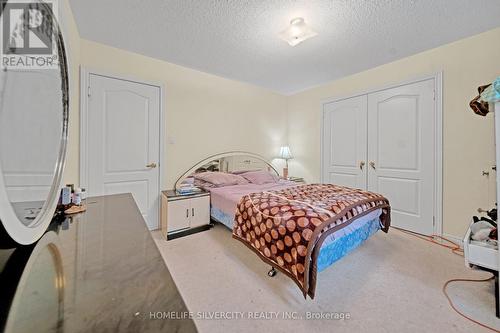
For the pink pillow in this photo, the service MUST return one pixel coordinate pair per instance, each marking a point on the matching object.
(203, 184)
(240, 172)
(260, 177)
(220, 179)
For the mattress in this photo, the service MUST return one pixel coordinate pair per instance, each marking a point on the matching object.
(228, 197)
(334, 247)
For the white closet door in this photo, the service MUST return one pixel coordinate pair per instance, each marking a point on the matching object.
(344, 142)
(401, 155)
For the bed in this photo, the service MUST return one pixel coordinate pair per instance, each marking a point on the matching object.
(341, 230)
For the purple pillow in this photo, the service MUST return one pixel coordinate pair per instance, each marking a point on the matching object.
(260, 177)
(220, 179)
(203, 184)
(240, 172)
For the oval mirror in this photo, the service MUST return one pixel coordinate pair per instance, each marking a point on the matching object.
(33, 118)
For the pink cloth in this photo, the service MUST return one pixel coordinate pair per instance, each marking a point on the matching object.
(227, 198)
(220, 178)
(260, 177)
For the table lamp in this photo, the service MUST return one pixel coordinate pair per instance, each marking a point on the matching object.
(286, 155)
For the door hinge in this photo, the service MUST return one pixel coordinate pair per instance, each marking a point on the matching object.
(88, 91)
(434, 95)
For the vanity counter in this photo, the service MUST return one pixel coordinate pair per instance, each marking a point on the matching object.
(94, 272)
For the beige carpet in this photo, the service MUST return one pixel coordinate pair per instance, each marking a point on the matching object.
(392, 283)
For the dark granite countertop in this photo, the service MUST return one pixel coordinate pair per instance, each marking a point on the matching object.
(99, 271)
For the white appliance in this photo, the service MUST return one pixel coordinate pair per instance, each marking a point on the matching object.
(477, 255)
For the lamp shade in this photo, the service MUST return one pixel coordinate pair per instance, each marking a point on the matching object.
(285, 153)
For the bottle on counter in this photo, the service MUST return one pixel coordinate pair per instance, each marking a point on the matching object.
(77, 197)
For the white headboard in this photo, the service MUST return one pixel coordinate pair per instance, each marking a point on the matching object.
(229, 162)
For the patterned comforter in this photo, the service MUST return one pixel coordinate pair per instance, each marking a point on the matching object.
(287, 227)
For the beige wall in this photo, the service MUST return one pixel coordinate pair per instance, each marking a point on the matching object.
(467, 138)
(205, 114)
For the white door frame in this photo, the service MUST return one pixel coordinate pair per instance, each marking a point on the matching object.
(438, 149)
(85, 73)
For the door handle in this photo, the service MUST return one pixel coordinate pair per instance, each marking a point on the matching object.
(151, 165)
(361, 164)
(187, 213)
(192, 212)
(372, 164)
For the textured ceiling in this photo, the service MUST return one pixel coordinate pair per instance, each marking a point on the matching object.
(239, 39)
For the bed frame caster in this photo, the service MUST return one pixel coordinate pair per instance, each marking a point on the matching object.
(272, 272)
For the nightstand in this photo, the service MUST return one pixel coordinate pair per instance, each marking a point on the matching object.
(298, 180)
(183, 215)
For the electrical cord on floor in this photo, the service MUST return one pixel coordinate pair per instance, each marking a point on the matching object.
(435, 239)
(455, 249)
(453, 305)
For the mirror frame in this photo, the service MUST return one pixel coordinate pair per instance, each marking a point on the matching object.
(10, 224)
(219, 156)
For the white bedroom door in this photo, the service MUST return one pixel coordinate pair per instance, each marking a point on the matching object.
(123, 142)
(344, 142)
(401, 153)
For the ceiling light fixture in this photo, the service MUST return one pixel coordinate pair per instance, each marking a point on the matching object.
(297, 32)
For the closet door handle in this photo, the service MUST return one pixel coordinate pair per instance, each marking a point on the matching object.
(187, 213)
(192, 212)
(361, 165)
(372, 164)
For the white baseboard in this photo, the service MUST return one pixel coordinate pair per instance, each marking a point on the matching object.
(455, 239)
